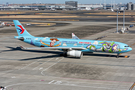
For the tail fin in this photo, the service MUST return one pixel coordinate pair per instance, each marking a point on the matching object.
(20, 29)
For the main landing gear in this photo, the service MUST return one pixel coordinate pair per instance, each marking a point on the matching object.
(118, 54)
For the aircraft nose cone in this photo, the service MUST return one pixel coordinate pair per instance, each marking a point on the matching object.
(129, 49)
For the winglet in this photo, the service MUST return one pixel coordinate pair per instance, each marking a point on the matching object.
(74, 36)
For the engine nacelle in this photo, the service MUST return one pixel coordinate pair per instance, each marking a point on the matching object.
(75, 53)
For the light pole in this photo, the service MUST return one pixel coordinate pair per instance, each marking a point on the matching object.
(124, 19)
(117, 21)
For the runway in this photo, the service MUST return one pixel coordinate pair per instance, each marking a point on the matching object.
(40, 69)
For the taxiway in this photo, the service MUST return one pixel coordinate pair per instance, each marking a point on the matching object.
(40, 69)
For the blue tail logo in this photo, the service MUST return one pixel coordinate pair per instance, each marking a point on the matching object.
(21, 29)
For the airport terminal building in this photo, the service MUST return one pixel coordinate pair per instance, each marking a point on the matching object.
(130, 6)
(69, 5)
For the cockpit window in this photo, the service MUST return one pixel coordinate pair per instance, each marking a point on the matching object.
(126, 46)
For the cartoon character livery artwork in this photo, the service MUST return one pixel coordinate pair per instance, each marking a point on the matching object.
(106, 47)
(71, 47)
(52, 43)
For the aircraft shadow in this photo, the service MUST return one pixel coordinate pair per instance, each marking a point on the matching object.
(36, 51)
(42, 57)
(102, 55)
(57, 54)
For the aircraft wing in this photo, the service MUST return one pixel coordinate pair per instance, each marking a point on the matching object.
(54, 48)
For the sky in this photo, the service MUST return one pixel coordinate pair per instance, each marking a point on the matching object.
(63, 1)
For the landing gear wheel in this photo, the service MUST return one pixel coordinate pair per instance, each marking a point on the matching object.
(118, 55)
(65, 54)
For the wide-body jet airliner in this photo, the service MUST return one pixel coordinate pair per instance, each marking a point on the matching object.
(71, 47)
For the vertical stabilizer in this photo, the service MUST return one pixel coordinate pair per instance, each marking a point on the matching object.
(20, 29)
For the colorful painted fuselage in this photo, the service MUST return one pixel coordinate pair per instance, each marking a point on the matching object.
(90, 45)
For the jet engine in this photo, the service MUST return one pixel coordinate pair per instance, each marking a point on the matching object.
(75, 53)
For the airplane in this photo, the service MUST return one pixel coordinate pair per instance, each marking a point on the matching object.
(71, 47)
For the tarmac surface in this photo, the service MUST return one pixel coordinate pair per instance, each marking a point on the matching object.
(47, 70)
(92, 15)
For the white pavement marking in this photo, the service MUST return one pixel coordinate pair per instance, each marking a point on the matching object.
(42, 64)
(74, 85)
(13, 77)
(58, 82)
(6, 72)
(51, 81)
(40, 68)
(50, 67)
(30, 64)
